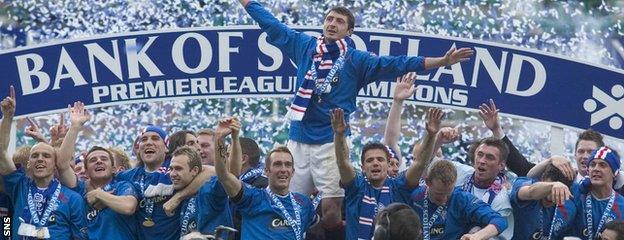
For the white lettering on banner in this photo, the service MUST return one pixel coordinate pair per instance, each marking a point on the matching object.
(225, 49)
(140, 58)
(424, 93)
(26, 74)
(205, 49)
(112, 63)
(34, 79)
(384, 43)
(271, 51)
(193, 86)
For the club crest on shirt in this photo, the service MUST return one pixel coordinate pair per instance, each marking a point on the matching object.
(437, 230)
(278, 222)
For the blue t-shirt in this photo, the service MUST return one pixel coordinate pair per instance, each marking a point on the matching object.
(360, 68)
(214, 207)
(532, 218)
(598, 206)
(463, 211)
(165, 227)
(355, 191)
(66, 222)
(106, 223)
(262, 219)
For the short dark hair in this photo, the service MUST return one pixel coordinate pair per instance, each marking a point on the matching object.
(554, 174)
(283, 149)
(194, 160)
(346, 12)
(616, 226)
(589, 135)
(250, 147)
(502, 147)
(371, 146)
(178, 139)
(98, 148)
(398, 221)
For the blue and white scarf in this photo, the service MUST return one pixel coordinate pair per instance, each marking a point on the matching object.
(252, 173)
(327, 61)
(158, 183)
(373, 201)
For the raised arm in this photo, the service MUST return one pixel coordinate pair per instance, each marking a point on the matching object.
(516, 162)
(347, 173)
(78, 116)
(403, 90)
(8, 111)
(425, 154)
(451, 57)
(560, 162)
(539, 190)
(236, 153)
(229, 181)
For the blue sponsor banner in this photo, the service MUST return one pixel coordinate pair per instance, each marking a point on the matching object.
(237, 61)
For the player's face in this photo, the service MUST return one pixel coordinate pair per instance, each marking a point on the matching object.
(42, 160)
(600, 173)
(280, 171)
(488, 163)
(191, 141)
(181, 174)
(393, 167)
(79, 169)
(99, 165)
(336, 26)
(152, 148)
(206, 146)
(581, 154)
(375, 165)
(438, 192)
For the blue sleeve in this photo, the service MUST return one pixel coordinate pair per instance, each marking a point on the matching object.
(353, 188)
(402, 187)
(213, 194)
(125, 188)
(251, 202)
(295, 44)
(13, 182)
(77, 216)
(481, 213)
(375, 68)
(513, 197)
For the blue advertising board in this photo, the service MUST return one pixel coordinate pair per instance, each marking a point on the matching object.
(237, 61)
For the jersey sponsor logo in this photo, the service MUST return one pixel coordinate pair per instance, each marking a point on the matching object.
(437, 230)
(52, 219)
(278, 222)
(92, 214)
(537, 235)
(155, 199)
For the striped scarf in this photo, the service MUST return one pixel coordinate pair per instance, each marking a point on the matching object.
(373, 201)
(327, 61)
(493, 189)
